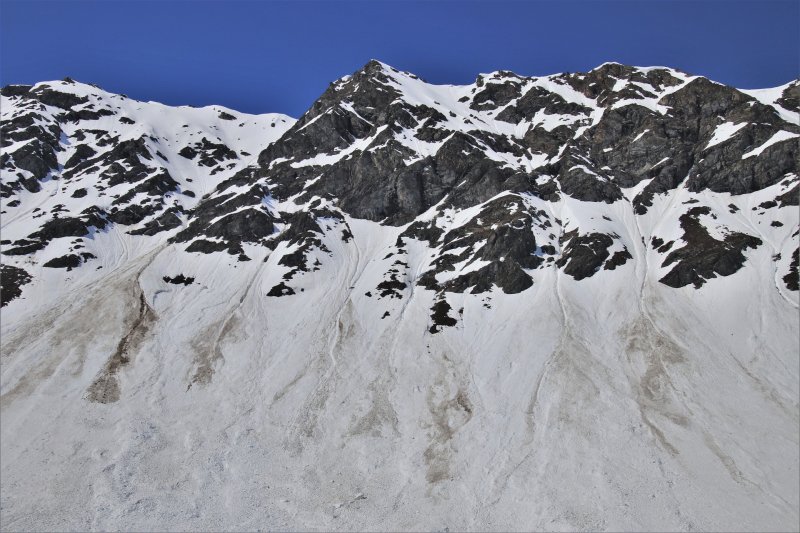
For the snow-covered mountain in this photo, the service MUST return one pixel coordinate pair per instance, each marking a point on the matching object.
(563, 302)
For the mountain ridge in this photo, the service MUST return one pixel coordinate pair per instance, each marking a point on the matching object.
(557, 302)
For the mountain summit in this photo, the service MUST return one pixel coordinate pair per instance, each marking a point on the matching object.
(560, 302)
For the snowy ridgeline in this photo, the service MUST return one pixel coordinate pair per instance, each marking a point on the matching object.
(566, 302)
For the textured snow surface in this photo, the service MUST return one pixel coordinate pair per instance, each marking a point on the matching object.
(611, 403)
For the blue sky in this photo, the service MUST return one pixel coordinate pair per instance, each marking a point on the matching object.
(273, 56)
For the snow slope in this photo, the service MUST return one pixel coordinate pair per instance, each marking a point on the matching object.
(305, 351)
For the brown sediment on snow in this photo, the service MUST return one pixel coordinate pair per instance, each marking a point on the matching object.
(105, 388)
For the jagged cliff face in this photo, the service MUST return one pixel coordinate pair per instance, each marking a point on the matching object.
(385, 146)
(447, 298)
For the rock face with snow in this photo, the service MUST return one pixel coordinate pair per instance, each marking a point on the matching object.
(564, 302)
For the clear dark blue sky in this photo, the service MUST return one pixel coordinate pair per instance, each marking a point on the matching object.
(265, 56)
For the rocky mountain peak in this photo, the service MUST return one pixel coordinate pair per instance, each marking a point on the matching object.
(384, 145)
(518, 286)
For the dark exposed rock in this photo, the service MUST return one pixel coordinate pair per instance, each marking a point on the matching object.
(295, 260)
(704, 257)
(168, 220)
(281, 289)
(11, 281)
(582, 153)
(696, 108)
(51, 97)
(791, 279)
(180, 279)
(69, 261)
(88, 114)
(223, 216)
(303, 229)
(423, 232)
(37, 157)
(501, 234)
(618, 259)
(25, 247)
(494, 95)
(248, 225)
(157, 185)
(789, 198)
(790, 99)
(393, 287)
(82, 152)
(582, 185)
(131, 214)
(15, 90)
(505, 274)
(210, 153)
(440, 316)
(584, 255)
(206, 247)
(599, 83)
(723, 169)
(536, 100)
(62, 227)
(769, 204)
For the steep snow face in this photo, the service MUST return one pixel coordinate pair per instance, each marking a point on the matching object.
(566, 302)
(92, 178)
(71, 148)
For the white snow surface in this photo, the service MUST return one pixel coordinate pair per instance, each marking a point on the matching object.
(611, 403)
(724, 131)
(771, 96)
